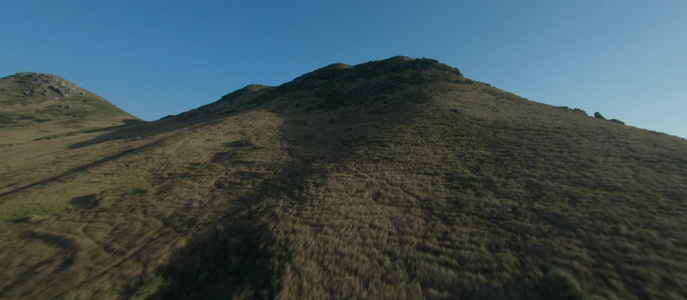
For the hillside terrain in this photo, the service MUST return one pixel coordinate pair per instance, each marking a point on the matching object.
(393, 179)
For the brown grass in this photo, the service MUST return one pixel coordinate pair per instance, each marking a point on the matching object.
(433, 187)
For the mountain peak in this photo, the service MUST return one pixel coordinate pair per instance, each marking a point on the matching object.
(402, 63)
(397, 69)
(390, 65)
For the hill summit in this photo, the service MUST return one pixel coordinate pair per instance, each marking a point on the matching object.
(47, 85)
(392, 179)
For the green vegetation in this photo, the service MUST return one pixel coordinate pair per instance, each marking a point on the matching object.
(410, 182)
(559, 284)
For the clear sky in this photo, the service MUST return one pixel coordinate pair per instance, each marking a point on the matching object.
(624, 58)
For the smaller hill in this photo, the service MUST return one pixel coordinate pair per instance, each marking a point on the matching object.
(31, 100)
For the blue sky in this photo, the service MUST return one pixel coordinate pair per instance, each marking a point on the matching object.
(624, 58)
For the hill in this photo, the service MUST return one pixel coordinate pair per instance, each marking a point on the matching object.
(35, 105)
(393, 179)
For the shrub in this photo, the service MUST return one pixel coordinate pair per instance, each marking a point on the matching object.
(559, 284)
(248, 140)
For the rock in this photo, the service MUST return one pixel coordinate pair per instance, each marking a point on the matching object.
(598, 115)
(577, 110)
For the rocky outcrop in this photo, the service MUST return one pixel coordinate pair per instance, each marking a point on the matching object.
(47, 85)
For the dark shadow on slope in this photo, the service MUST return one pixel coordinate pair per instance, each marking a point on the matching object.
(338, 85)
(140, 130)
(232, 103)
(82, 168)
(85, 202)
(133, 121)
(235, 259)
(128, 131)
(226, 262)
(143, 129)
(334, 112)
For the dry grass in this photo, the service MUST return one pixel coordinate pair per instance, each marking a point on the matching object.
(430, 186)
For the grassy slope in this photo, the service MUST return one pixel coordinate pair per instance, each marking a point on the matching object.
(388, 180)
